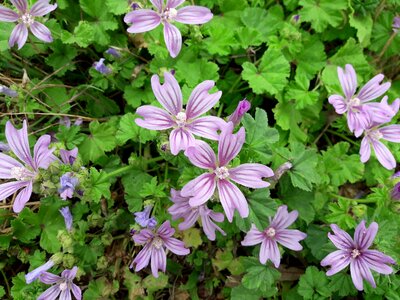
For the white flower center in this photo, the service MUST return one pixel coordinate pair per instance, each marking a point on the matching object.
(222, 172)
(63, 286)
(353, 104)
(375, 134)
(157, 242)
(20, 173)
(355, 253)
(181, 119)
(270, 232)
(27, 19)
(170, 14)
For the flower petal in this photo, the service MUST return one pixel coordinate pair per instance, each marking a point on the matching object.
(201, 155)
(365, 150)
(231, 197)
(142, 20)
(48, 278)
(9, 188)
(338, 260)
(384, 156)
(253, 237)
(23, 196)
(69, 274)
(18, 142)
(339, 103)
(377, 261)
(391, 133)
(65, 295)
(200, 189)
(372, 89)
(180, 139)
(154, 118)
(209, 226)
(173, 39)
(158, 261)
(230, 144)
(168, 94)
(190, 217)
(165, 230)
(176, 246)
(364, 237)
(8, 15)
(21, 5)
(41, 32)
(42, 7)
(158, 4)
(207, 127)
(348, 80)
(76, 290)
(174, 3)
(341, 239)
(194, 15)
(358, 121)
(143, 258)
(200, 101)
(51, 293)
(283, 218)
(6, 164)
(356, 275)
(269, 250)
(290, 238)
(42, 155)
(250, 175)
(19, 35)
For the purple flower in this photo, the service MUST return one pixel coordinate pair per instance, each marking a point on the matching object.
(242, 108)
(396, 24)
(143, 218)
(3, 89)
(185, 123)
(396, 192)
(155, 244)
(358, 116)
(26, 19)
(383, 112)
(146, 19)
(68, 183)
(66, 213)
(113, 52)
(356, 254)
(63, 286)
(24, 175)
(4, 147)
(101, 67)
(276, 233)
(220, 174)
(68, 157)
(35, 274)
(182, 209)
(296, 18)
(372, 136)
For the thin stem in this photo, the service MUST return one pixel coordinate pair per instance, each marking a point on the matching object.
(343, 137)
(6, 281)
(356, 200)
(389, 41)
(48, 114)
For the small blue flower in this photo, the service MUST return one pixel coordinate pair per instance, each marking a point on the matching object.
(143, 218)
(34, 274)
(113, 52)
(7, 91)
(101, 67)
(66, 213)
(67, 185)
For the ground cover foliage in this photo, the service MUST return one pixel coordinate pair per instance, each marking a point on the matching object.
(283, 57)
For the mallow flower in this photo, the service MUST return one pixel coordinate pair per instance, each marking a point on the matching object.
(276, 233)
(220, 175)
(23, 174)
(35, 274)
(155, 243)
(242, 108)
(358, 116)
(146, 19)
(185, 122)
(182, 209)
(356, 253)
(26, 20)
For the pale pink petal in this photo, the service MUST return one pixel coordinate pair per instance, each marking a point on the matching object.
(69, 274)
(143, 258)
(51, 293)
(41, 32)
(8, 15)
(364, 237)
(372, 89)
(209, 227)
(200, 101)
(382, 112)
(174, 3)
(230, 144)
(269, 250)
(290, 238)
(348, 80)
(173, 39)
(176, 246)
(42, 156)
(365, 150)
(6, 164)
(384, 156)
(143, 236)
(19, 35)
(338, 260)
(201, 155)
(253, 237)
(21, 5)
(9, 188)
(180, 139)
(142, 20)
(377, 261)
(23, 196)
(391, 133)
(18, 142)
(358, 121)
(191, 217)
(154, 118)
(283, 218)
(356, 275)
(158, 4)
(341, 239)
(194, 15)
(158, 261)
(41, 8)
(232, 198)
(250, 175)
(65, 295)
(168, 94)
(207, 127)
(49, 278)
(165, 230)
(200, 189)
(338, 103)
(76, 291)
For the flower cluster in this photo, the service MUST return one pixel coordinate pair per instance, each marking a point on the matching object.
(364, 116)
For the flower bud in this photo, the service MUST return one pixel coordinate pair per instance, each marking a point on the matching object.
(238, 114)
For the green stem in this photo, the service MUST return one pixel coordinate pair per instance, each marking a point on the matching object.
(6, 281)
(343, 137)
(356, 200)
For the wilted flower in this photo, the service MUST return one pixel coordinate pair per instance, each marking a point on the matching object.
(155, 244)
(68, 182)
(182, 209)
(101, 67)
(3, 89)
(113, 52)
(356, 254)
(143, 218)
(356, 106)
(276, 233)
(68, 157)
(24, 175)
(146, 19)
(66, 213)
(282, 169)
(242, 108)
(63, 286)
(396, 24)
(35, 274)
(220, 175)
(26, 19)
(185, 123)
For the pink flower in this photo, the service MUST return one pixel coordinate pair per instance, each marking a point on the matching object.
(358, 115)
(356, 254)
(146, 19)
(276, 233)
(182, 209)
(185, 123)
(242, 108)
(220, 174)
(155, 244)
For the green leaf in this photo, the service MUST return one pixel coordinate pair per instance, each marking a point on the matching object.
(322, 13)
(82, 36)
(271, 74)
(298, 91)
(311, 59)
(220, 38)
(98, 186)
(133, 182)
(265, 23)
(128, 130)
(117, 7)
(342, 284)
(62, 57)
(382, 32)
(240, 293)
(314, 285)
(317, 240)
(261, 278)
(200, 70)
(192, 238)
(363, 24)
(153, 284)
(259, 136)
(341, 214)
(101, 288)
